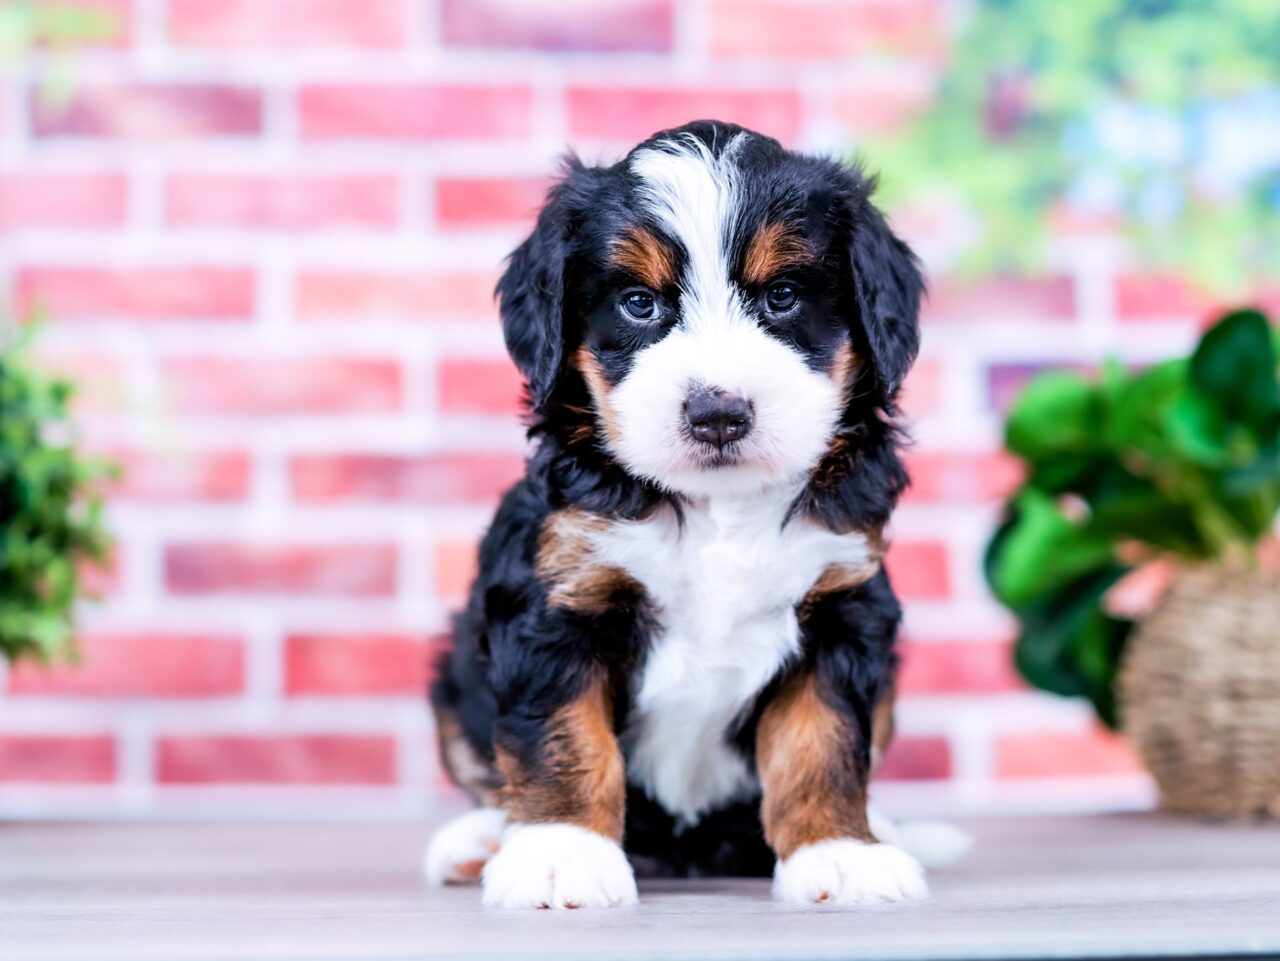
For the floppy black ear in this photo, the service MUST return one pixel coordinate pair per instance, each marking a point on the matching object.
(531, 289)
(888, 286)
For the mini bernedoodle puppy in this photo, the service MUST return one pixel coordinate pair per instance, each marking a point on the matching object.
(678, 656)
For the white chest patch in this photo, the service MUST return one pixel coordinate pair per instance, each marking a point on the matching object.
(724, 589)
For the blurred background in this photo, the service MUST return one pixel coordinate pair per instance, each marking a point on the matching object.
(262, 235)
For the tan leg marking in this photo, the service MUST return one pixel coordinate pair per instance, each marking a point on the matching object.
(465, 765)
(579, 775)
(814, 785)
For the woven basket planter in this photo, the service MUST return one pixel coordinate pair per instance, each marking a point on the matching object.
(1200, 693)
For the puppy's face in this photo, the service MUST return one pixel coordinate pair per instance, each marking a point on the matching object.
(712, 303)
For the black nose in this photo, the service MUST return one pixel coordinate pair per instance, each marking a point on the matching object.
(717, 417)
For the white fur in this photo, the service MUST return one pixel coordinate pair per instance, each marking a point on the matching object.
(717, 344)
(558, 866)
(464, 842)
(848, 872)
(724, 591)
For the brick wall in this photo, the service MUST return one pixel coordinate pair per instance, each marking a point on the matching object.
(268, 231)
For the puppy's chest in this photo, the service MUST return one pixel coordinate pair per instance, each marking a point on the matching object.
(724, 589)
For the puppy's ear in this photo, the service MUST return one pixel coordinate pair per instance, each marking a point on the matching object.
(888, 286)
(531, 289)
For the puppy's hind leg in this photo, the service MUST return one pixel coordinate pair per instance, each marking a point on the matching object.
(460, 849)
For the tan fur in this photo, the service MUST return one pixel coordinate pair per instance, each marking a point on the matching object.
(644, 256)
(578, 777)
(774, 249)
(882, 727)
(842, 577)
(814, 785)
(567, 565)
(589, 366)
(844, 363)
(469, 770)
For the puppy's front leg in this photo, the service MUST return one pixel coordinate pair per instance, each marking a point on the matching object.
(565, 796)
(813, 766)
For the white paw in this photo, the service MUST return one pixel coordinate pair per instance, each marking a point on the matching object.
(558, 866)
(459, 850)
(849, 872)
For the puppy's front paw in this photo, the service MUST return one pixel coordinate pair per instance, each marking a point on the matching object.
(458, 851)
(849, 872)
(557, 866)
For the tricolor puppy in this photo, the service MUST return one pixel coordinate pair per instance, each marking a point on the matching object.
(678, 656)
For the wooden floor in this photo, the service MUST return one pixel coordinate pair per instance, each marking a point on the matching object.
(1099, 887)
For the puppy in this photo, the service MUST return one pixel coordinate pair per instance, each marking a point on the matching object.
(678, 655)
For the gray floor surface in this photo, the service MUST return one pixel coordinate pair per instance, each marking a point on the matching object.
(1106, 887)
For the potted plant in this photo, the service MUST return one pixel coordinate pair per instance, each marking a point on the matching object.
(50, 509)
(1177, 465)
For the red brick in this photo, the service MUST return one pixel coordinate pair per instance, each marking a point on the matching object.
(151, 112)
(922, 391)
(329, 111)
(958, 667)
(437, 478)
(633, 113)
(355, 664)
(57, 758)
(591, 25)
(169, 475)
(1006, 381)
(356, 570)
(139, 666)
(471, 202)
(32, 199)
(954, 477)
(883, 106)
(1001, 299)
(320, 759)
(919, 569)
(455, 565)
(281, 202)
(428, 296)
(210, 385)
(767, 28)
(139, 293)
(1159, 297)
(287, 24)
(916, 759)
(1047, 754)
(480, 386)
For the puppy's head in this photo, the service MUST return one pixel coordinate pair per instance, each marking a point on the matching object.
(725, 302)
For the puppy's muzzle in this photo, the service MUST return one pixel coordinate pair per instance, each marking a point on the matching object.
(717, 417)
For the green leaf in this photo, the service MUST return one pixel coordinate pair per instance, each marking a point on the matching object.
(1137, 409)
(1234, 366)
(1042, 550)
(1069, 646)
(1057, 413)
(1198, 430)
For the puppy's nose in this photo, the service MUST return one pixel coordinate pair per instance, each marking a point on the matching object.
(717, 416)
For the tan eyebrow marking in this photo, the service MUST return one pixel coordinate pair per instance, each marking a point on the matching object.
(649, 259)
(773, 249)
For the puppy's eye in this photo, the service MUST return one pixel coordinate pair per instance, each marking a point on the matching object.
(780, 298)
(640, 306)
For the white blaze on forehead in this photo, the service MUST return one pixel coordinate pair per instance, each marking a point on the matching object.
(717, 342)
(694, 194)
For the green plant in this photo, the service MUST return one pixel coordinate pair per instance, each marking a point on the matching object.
(50, 508)
(1182, 459)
